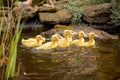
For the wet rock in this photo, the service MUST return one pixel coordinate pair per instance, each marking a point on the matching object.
(101, 34)
(27, 11)
(62, 16)
(99, 13)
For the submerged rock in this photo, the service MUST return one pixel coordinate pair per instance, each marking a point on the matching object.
(101, 34)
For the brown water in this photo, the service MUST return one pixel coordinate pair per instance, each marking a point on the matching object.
(72, 63)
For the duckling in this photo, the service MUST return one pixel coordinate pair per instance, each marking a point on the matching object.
(91, 41)
(49, 45)
(33, 42)
(65, 42)
(80, 41)
(27, 3)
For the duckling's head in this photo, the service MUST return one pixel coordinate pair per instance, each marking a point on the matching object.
(81, 34)
(59, 36)
(92, 34)
(55, 38)
(39, 37)
(68, 32)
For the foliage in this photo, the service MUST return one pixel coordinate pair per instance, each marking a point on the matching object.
(10, 70)
(115, 12)
(8, 48)
(75, 8)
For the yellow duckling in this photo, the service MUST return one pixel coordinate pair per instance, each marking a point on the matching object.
(65, 42)
(80, 41)
(91, 41)
(33, 42)
(49, 45)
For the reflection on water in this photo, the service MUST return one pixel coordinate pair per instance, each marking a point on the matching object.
(109, 64)
(72, 63)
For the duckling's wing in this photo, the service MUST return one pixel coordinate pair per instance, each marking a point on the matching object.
(63, 43)
(30, 40)
(30, 43)
(74, 42)
(44, 46)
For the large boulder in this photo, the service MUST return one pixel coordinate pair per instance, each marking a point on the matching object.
(99, 13)
(62, 16)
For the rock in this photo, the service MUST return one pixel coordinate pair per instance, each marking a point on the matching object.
(48, 9)
(27, 11)
(101, 34)
(62, 16)
(99, 13)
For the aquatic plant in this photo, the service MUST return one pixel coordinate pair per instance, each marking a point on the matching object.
(10, 70)
(8, 48)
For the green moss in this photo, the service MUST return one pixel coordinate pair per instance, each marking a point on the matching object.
(115, 12)
(76, 8)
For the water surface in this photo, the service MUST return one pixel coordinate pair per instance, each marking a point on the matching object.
(72, 63)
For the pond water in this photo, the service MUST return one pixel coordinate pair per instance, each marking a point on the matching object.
(72, 63)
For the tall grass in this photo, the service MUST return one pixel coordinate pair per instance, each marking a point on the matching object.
(10, 70)
(9, 42)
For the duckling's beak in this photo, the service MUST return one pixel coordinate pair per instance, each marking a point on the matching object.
(43, 39)
(73, 32)
(59, 36)
(96, 36)
(85, 35)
